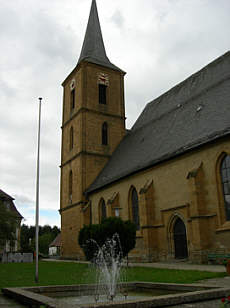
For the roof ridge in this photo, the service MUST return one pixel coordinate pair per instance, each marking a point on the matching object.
(179, 105)
(181, 83)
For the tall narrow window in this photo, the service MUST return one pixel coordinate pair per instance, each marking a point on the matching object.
(104, 133)
(135, 208)
(102, 94)
(102, 210)
(72, 100)
(71, 138)
(225, 177)
(70, 186)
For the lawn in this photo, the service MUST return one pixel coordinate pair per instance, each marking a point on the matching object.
(67, 273)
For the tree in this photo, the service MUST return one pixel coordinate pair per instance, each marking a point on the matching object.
(94, 235)
(8, 222)
(44, 241)
(46, 235)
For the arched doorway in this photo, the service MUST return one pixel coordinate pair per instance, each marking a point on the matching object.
(180, 239)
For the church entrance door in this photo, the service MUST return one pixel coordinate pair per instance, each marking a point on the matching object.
(180, 239)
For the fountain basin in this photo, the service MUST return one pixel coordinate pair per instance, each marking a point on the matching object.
(173, 294)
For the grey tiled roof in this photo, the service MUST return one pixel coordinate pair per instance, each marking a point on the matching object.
(193, 113)
(93, 49)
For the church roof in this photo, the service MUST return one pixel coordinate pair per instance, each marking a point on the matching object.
(191, 114)
(93, 49)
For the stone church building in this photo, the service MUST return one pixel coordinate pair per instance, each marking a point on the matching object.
(170, 173)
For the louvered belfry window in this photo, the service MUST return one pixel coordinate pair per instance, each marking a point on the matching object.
(102, 94)
(135, 208)
(225, 177)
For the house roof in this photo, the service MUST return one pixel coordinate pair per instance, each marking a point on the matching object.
(5, 197)
(191, 114)
(56, 242)
(93, 49)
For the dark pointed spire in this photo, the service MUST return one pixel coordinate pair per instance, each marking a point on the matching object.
(93, 49)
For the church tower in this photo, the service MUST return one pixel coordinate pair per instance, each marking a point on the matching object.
(93, 124)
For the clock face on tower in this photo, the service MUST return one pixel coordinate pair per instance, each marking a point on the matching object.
(103, 79)
(72, 84)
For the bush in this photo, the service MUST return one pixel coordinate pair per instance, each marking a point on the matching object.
(93, 236)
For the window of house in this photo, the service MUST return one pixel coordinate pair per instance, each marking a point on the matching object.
(104, 134)
(102, 94)
(70, 186)
(117, 212)
(72, 100)
(225, 178)
(135, 208)
(71, 138)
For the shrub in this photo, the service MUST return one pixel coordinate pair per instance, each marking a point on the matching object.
(92, 236)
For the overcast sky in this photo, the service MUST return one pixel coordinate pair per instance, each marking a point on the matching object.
(157, 42)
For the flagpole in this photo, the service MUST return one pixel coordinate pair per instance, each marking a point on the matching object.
(37, 196)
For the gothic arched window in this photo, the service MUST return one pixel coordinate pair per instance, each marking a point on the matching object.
(225, 179)
(70, 186)
(135, 208)
(102, 210)
(104, 133)
(71, 138)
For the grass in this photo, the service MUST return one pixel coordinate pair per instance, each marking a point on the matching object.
(67, 273)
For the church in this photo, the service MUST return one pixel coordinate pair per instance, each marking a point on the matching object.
(169, 174)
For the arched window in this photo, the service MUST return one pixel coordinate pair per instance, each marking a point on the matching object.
(225, 179)
(70, 186)
(104, 133)
(135, 208)
(71, 138)
(102, 210)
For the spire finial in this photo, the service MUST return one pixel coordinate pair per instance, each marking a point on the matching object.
(93, 45)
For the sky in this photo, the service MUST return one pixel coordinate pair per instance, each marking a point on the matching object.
(159, 43)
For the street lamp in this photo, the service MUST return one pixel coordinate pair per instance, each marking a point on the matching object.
(37, 194)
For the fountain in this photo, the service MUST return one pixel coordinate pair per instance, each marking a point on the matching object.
(111, 290)
(107, 262)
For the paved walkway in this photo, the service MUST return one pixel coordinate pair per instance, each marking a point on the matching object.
(183, 265)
